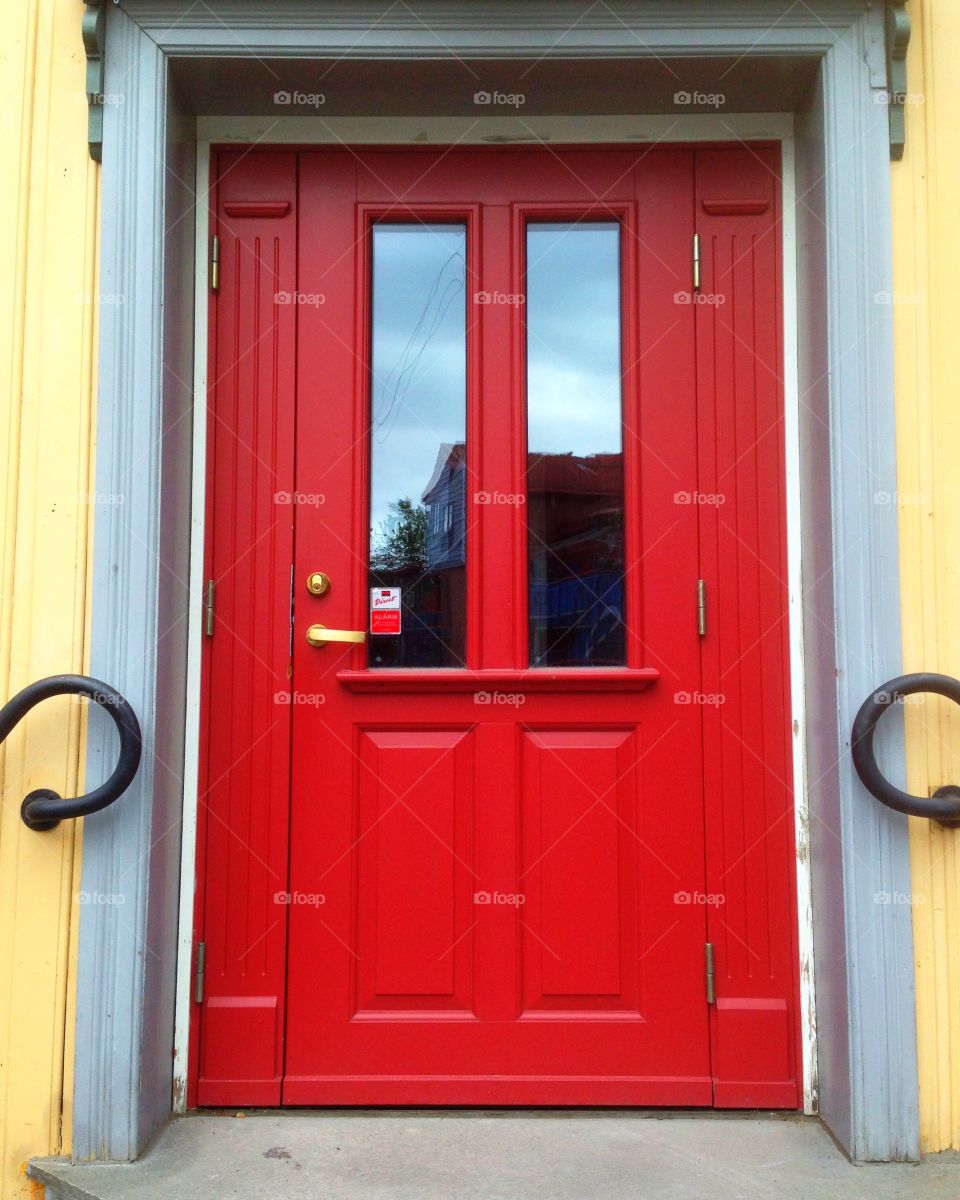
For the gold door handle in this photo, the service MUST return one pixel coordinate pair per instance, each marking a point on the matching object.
(319, 635)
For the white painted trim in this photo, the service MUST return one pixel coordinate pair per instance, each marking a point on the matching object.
(191, 756)
(445, 131)
(798, 725)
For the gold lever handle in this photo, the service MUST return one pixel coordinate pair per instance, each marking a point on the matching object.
(319, 635)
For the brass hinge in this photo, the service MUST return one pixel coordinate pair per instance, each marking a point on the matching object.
(696, 262)
(208, 609)
(201, 971)
(708, 955)
(214, 263)
(701, 608)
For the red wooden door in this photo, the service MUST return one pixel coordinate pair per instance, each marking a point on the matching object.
(482, 873)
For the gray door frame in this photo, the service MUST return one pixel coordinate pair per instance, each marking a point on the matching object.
(863, 949)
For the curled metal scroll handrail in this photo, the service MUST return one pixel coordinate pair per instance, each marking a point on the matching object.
(44, 808)
(944, 805)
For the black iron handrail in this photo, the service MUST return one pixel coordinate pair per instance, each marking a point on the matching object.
(944, 805)
(44, 808)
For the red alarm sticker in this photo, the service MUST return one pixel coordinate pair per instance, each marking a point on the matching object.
(385, 611)
(385, 621)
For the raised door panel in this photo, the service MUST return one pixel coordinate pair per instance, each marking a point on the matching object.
(748, 763)
(413, 873)
(579, 872)
(244, 792)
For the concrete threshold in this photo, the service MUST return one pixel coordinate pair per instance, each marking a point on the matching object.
(494, 1155)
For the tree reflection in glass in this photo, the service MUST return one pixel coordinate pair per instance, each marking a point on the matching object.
(417, 441)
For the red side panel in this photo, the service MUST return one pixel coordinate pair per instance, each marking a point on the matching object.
(244, 797)
(747, 760)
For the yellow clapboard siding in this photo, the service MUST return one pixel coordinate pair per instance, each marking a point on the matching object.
(926, 269)
(48, 195)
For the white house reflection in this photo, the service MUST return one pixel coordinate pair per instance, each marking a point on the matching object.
(417, 451)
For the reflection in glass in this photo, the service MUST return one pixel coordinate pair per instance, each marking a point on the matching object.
(574, 445)
(417, 441)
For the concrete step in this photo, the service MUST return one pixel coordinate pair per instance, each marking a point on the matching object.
(484, 1155)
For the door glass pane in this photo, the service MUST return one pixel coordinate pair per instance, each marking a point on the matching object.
(417, 447)
(574, 445)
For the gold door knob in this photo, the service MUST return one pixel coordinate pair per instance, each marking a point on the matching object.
(319, 635)
(318, 584)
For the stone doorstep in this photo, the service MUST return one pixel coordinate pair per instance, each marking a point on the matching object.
(484, 1155)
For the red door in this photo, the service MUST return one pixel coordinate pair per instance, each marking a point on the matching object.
(466, 796)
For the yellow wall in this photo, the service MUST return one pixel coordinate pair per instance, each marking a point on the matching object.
(48, 211)
(926, 203)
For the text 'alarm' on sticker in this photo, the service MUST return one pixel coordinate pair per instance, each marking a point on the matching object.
(385, 611)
